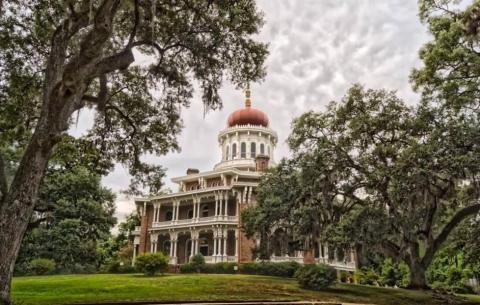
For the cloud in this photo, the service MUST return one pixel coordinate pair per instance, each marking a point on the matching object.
(318, 49)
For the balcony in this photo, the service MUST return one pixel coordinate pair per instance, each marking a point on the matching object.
(195, 222)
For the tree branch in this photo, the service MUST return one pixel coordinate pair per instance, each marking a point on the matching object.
(135, 26)
(447, 229)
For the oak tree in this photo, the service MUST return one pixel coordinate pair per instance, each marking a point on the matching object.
(134, 63)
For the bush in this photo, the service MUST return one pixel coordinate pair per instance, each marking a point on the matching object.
(285, 269)
(367, 276)
(41, 266)
(316, 277)
(394, 274)
(151, 263)
(220, 268)
(197, 262)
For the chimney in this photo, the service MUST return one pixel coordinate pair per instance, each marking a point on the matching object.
(192, 171)
(261, 163)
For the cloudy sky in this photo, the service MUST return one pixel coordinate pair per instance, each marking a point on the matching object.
(318, 49)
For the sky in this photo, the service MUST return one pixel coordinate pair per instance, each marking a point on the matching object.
(318, 49)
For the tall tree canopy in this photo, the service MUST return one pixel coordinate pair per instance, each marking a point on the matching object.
(59, 57)
(370, 170)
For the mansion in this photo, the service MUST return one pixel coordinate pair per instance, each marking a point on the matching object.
(203, 216)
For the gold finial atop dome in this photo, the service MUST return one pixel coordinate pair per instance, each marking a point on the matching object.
(248, 102)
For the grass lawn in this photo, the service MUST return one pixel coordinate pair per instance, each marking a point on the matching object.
(68, 289)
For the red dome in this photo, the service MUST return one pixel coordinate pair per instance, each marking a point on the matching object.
(248, 116)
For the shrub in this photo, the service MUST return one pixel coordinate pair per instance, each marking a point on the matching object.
(316, 277)
(187, 268)
(285, 269)
(367, 276)
(197, 262)
(394, 274)
(220, 268)
(41, 266)
(151, 263)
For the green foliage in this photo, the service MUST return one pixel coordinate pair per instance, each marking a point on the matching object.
(283, 269)
(367, 276)
(197, 261)
(42, 266)
(372, 143)
(76, 215)
(316, 277)
(151, 263)
(450, 70)
(189, 42)
(216, 268)
(394, 274)
(450, 271)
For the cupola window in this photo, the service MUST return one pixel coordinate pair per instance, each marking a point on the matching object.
(253, 149)
(262, 149)
(234, 150)
(243, 150)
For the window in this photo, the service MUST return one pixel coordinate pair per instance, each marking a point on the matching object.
(205, 211)
(227, 153)
(166, 247)
(190, 214)
(243, 150)
(234, 150)
(262, 149)
(253, 149)
(169, 215)
(268, 151)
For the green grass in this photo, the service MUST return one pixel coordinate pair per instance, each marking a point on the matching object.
(68, 289)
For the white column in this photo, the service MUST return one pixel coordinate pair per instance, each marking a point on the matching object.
(153, 243)
(194, 209)
(215, 242)
(225, 236)
(216, 205)
(175, 250)
(226, 204)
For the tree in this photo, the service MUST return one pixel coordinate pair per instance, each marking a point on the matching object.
(450, 72)
(59, 57)
(73, 213)
(375, 172)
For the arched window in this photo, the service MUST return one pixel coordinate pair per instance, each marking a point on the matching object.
(243, 150)
(268, 150)
(166, 247)
(234, 150)
(169, 215)
(253, 149)
(262, 149)
(227, 151)
(205, 211)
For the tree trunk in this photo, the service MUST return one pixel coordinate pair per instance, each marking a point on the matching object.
(417, 275)
(17, 208)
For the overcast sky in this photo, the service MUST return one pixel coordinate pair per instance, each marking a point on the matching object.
(318, 49)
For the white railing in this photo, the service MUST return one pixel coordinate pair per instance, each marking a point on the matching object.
(206, 219)
(195, 221)
(286, 258)
(341, 265)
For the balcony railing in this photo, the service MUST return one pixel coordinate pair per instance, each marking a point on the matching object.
(279, 259)
(195, 221)
(341, 265)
